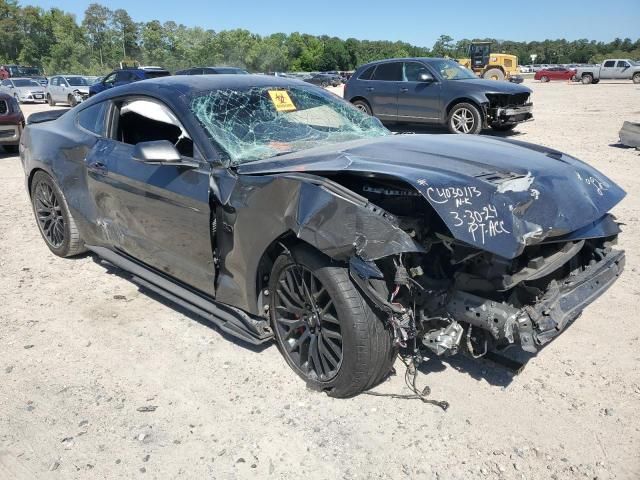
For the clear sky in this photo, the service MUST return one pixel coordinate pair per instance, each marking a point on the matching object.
(419, 22)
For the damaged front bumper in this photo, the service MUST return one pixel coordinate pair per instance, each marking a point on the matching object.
(509, 115)
(537, 324)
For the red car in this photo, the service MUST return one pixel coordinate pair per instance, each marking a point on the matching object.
(11, 123)
(554, 73)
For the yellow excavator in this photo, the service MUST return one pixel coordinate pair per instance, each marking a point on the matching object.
(494, 66)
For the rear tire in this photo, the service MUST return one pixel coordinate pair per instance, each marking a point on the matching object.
(12, 149)
(363, 106)
(493, 74)
(57, 227)
(464, 118)
(345, 325)
(587, 79)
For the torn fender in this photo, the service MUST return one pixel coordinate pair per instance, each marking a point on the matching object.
(333, 219)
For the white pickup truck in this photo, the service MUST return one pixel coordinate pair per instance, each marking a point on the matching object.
(611, 69)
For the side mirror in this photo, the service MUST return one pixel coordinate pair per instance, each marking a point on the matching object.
(160, 152)
(426, 77)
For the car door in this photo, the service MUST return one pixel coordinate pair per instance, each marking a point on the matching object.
(62, 90)
(157, 214)
(608, 70)
(383, 89)
(622, 69)
(418, 101)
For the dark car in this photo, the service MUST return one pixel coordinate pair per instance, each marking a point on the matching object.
(33, 73)
(437, 91)
(554, 73)
(11, 123)
(324, 79)
(125, 76)
(212, 71)
(277, 210)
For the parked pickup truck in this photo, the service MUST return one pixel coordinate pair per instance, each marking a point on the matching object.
(611, 69)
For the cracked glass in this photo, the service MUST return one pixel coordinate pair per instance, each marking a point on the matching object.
(263, 122)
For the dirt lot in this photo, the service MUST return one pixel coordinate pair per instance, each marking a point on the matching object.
(82, 351)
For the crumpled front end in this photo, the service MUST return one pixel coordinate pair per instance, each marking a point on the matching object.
(484, 282)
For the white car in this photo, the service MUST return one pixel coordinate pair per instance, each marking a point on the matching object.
(524, 68)
(23, 89)
(70, 89)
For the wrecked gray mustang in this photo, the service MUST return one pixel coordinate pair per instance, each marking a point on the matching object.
(277, 210)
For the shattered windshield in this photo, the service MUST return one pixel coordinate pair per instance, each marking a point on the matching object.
(263, 122)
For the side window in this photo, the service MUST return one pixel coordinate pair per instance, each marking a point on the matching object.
(142, 120)
(6, 83)
(622, 64)
(122, 76)
(413, 70)
(367, 74)
(93, 118)
(110, 79)
(54, 81)
(609, 64)
(389, 72)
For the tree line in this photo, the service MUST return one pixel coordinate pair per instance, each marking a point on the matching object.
(55, 40)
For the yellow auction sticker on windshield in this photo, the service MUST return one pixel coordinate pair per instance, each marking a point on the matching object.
(281, 100)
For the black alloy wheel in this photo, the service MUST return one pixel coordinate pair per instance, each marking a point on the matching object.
(307, 325)
(324, 327)
(55, 222)
(49, 215)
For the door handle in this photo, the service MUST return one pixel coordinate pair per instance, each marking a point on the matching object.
(404, 90)
(370, 89)
(98, 167)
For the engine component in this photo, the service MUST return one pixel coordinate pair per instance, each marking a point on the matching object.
(444, 341)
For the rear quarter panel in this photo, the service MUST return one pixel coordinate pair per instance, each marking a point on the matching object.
(60, 148)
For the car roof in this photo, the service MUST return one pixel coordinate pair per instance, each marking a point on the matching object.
(406, 59)
(193, 84)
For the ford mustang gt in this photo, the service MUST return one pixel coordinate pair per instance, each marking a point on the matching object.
(276, 210)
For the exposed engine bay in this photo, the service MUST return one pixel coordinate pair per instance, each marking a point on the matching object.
(455, 297)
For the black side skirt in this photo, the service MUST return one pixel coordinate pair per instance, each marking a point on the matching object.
(251, 329)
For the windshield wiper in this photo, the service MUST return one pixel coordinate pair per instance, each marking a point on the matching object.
(285, 152)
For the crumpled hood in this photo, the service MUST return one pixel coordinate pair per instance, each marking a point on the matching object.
(497, 194)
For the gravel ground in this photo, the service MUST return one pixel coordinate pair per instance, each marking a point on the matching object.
(100, 380)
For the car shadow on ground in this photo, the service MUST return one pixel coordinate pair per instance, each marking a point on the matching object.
(113, 270)
(409, 128)
(479, 369)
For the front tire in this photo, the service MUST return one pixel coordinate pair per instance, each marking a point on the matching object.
(464, 118)
(324, 328)
(72, 101)
(544, 79)
(50, 100)
(636, 78)
(57, 227)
